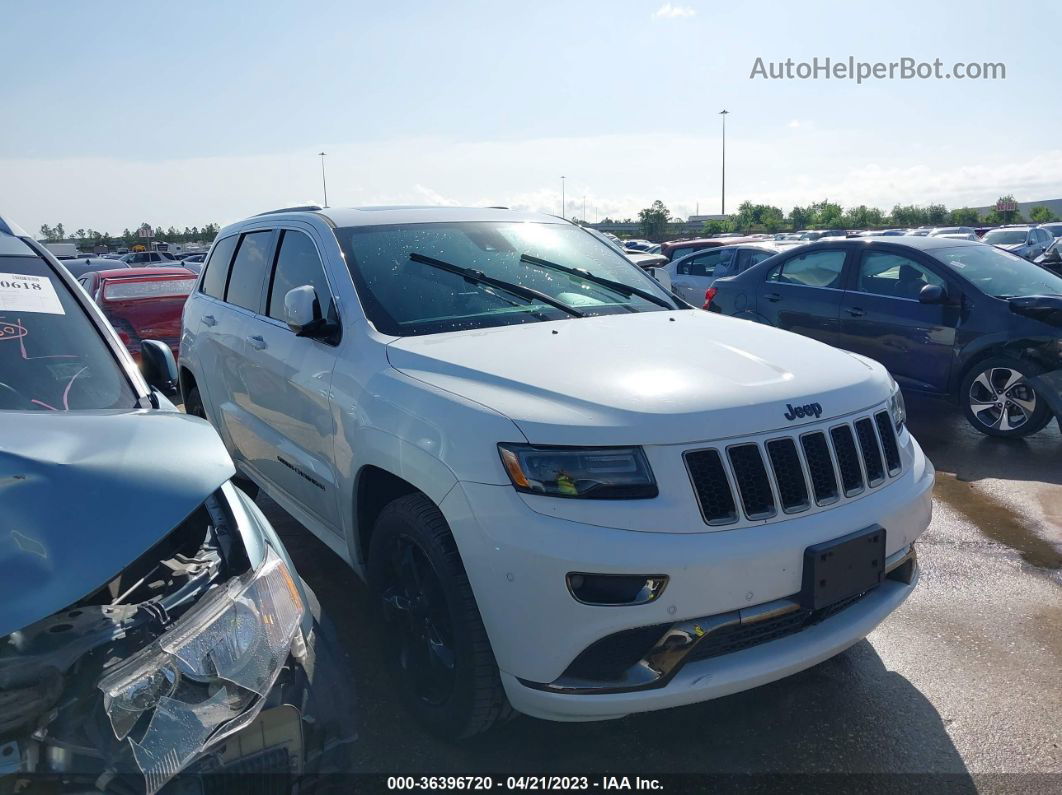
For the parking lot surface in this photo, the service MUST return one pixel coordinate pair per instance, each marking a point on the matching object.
(962, 681)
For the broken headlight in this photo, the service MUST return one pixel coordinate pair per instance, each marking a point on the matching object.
(206, 676)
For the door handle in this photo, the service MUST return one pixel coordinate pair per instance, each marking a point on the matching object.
(772, 297)
(257, 342)
(209, 320)
(855, 311)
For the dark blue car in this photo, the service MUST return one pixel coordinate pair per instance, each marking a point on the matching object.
(946, 317)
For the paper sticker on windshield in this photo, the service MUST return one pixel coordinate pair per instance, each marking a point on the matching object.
(22, 293)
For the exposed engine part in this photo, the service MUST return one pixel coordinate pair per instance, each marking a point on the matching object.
(51, 715)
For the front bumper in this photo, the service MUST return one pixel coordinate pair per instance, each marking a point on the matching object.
(517, 560)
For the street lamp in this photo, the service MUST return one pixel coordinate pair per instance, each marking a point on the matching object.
(722, 201)
(324, 184)
(562, 198)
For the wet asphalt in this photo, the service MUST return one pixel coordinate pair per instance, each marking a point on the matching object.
(963, 682)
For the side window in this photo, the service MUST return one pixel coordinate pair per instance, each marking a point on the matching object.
(298, 264)
(881, 273)
(814, 269)
(700, 264)
(217, 268)
(249, 270)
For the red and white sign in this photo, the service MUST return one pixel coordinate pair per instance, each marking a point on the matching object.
(1006, 206)
(145, 231)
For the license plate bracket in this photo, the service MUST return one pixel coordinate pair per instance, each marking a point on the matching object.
(842, 567)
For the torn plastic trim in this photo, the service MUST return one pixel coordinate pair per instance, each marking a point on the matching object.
(208, 675)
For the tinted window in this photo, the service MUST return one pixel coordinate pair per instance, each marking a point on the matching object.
(881, 273)
(1005, 237)
(14, 246)
(700, 264)
(248, 271)
(298, 265)
(52, 357)
(756, 257)
(217, 269)
(814, 269)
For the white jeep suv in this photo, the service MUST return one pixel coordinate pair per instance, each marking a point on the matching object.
(571, 494)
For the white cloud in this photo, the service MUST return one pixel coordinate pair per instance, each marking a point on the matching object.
(668, 11)
(682, 170)
(794, 124)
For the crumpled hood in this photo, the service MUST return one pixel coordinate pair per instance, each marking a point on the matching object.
(650, 378)
(83, 494)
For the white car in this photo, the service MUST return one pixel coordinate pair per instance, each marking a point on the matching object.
(693, 274)
(570, 496)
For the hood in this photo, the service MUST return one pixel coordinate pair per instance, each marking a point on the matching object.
(1047, 308)
(84, 494)
(1009, 246)
(650, 378)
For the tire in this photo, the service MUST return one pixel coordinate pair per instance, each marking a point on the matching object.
(193, 403)
(440, 653)
(998, 401)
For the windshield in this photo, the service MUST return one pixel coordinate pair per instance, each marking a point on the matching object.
(52, 358)
(408, 296)
(1005, 236)
(999, 273)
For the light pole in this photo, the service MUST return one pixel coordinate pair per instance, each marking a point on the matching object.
(324, 184)
(562, 198)
(584, 206)
(722, 201)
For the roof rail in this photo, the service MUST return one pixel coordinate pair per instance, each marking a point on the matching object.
(302, 208)
(9, 227)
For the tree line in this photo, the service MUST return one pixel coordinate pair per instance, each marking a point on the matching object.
(825, 214)
(91, 238)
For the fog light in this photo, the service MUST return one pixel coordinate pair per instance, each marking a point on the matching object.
(616, 589)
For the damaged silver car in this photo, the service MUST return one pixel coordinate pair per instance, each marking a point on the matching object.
(153, 629)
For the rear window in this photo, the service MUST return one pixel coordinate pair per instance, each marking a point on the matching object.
(52, 356)
(156, 288)
(249, 271)
(217, 269)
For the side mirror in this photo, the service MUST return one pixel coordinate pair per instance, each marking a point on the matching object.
(302, 311)
(662, 276)
(932, 294)
(158, 367)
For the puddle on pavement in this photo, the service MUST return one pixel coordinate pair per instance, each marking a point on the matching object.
(996, 521)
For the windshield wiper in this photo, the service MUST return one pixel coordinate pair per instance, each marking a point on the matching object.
(478, 277)
(582, 273)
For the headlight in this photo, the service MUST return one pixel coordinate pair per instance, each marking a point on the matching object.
(897, 408)
(204, 678)
(595, 473)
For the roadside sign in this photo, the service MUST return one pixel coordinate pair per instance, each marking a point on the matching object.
(1006, 206)
(145, 231)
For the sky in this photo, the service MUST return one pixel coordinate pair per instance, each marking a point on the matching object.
(184, 113)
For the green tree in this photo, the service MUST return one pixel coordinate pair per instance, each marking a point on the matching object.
(863, 217)
(717, 227)
(826, 214)
(1042, 215)
(759, 216)
(47, 232)
(654, 221)
(60, 233)
(799, 218)
(909, 215)
(964, 216)
(936, 214)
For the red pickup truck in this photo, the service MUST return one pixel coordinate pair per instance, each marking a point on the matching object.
(142, 303)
